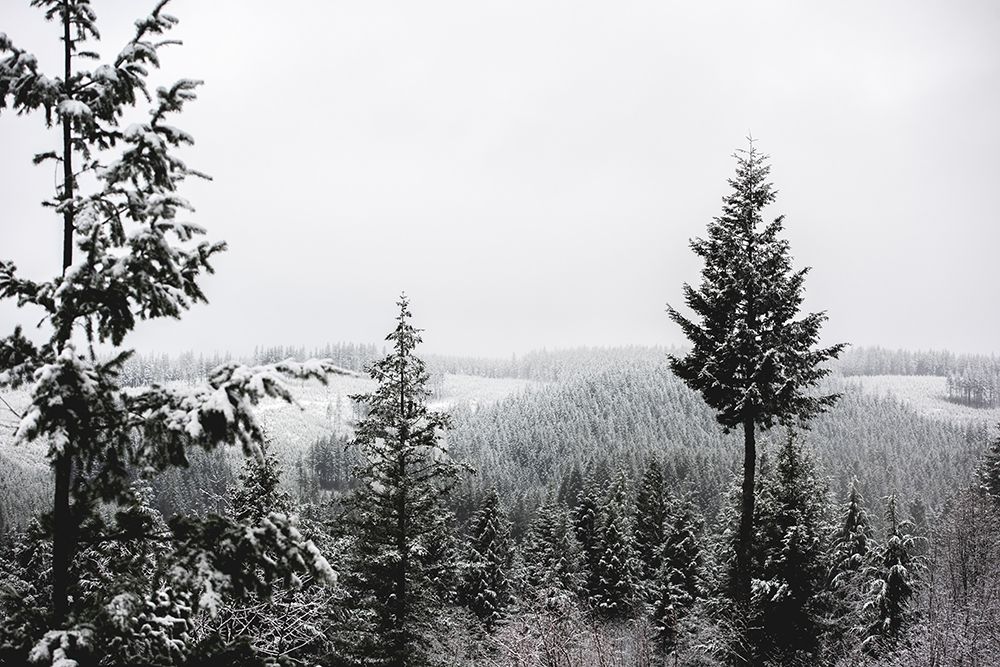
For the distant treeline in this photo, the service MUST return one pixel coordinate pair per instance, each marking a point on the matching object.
(541, 365)
(881, 361)
(967, 371)
(143, 369)
(975, 387)
(551, 365)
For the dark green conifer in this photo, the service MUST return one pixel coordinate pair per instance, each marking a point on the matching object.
(790, 557)
(892, 581)
(398, 508)
(486, 586)
(616, 582)
(650, 517)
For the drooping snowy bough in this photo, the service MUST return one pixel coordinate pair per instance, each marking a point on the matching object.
(127, 256)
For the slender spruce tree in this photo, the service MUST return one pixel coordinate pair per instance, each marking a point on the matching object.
(259, 492)
(587, 527)
(752, 361)
(850, 564)
(398, 510)
(852, 543)
(892, 582)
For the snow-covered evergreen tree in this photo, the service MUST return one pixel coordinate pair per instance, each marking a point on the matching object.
(553, 558)
(852, 542)
(127, 255)
(398, 511)
(850, 561)
(892, 582)
(259, 492)
(989, 470)
(680, 581)
(486, 586)
(751, 360)
(790, 555)
(683, 558)
(650, 518)
(587, 527)
(616, 580)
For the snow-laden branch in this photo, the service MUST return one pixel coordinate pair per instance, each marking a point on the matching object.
(219, 413)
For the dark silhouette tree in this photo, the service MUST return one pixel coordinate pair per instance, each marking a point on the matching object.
(752, 361)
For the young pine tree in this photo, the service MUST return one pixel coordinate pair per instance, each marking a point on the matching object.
(127, 255)
(750, 359)
(259, 492)
(683, 558)
(850, 560)
(852, 542)
(892, 582)
(398, 509)
(486, 586)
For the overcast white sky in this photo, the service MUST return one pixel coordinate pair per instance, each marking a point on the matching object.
(531, 171)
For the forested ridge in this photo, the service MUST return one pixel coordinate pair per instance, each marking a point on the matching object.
(613, 408)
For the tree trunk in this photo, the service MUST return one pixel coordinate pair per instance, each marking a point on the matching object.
(61, 541)
(63, 535)
(744, 543)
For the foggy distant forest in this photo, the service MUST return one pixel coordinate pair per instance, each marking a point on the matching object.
(736, 485)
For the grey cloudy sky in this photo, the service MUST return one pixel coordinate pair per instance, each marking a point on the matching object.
(530, 171)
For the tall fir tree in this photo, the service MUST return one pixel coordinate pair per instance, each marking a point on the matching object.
(571, 487)
(127, 255)
(398, 510)
(683, 557)
(486, 587)
(650, 519)
(750, 359)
